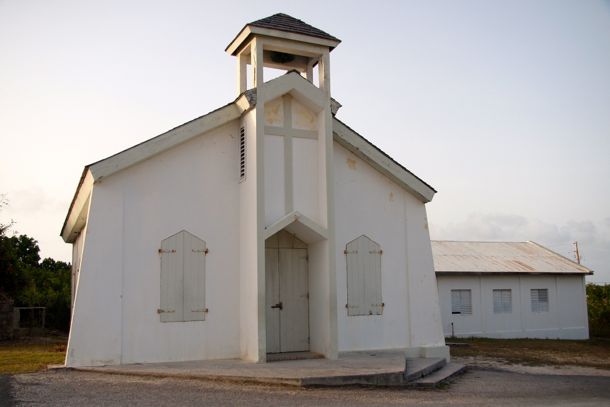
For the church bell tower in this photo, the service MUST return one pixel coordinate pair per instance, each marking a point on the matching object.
(286, 173)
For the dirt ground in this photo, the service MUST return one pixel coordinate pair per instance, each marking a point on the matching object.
(593, 353)
(477, 387)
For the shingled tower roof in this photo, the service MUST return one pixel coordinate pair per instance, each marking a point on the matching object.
(284, 22)
(282, 26)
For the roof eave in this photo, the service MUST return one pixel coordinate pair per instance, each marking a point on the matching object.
(243, 37)
(169, 139)
(381, 161)
(79, 208)
(103, 168)
(510, 273)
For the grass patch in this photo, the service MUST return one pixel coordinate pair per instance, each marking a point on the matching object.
(30, 356)
(536, 352)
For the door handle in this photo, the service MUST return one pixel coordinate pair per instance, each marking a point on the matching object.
(278, 305)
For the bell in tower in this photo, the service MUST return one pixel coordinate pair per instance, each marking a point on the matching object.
(282, 42)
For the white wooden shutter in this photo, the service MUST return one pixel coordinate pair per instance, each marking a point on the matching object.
(540, 299)
(503, 302)
(372, 276)
(355, 279)
(171, 309)
(363, 277)
(194, 278)
(461, 302)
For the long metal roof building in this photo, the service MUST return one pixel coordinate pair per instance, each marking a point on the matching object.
(459, 257)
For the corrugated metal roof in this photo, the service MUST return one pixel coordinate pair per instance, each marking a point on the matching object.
(500, 257)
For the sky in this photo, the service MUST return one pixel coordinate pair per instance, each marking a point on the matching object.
(502, 106)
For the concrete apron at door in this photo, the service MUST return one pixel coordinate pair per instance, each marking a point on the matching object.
(381, 368)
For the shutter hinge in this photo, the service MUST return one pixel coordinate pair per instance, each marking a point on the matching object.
(350, 251)
(200, 251)
(161, 251)
(205, 310)
(165, 311)
(376, 252)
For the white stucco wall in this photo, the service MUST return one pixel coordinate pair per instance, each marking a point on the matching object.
(251, 279)
(195, 187)
(566, 318)
(77, 254)
(371, 204)
(274, 179)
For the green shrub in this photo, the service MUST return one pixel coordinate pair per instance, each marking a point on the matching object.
(598, 303)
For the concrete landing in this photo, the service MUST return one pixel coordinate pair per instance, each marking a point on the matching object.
(382, 368)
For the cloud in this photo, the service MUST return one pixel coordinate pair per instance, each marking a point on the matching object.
(593, 237)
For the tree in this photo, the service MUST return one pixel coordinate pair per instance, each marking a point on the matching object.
(598, 305)
(8, 272)
(31, 282)
(4, 227)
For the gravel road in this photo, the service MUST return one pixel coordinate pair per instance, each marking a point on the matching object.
(477, 387)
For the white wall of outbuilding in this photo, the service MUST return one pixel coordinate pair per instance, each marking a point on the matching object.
(565, 319)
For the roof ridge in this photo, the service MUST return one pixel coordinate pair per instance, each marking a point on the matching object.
(482, 241)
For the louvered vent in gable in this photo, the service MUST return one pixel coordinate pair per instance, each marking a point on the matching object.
(242, 154)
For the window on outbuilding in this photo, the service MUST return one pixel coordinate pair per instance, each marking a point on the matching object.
(540, 299)
(363, 277)
(503, 301)
(461, 302)
(182, 278)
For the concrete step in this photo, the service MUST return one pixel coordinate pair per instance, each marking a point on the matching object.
(420, 367)
(434, 379)
(416, 369)
(280, 357)
(374, 379)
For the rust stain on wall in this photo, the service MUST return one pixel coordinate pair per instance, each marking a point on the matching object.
(351, 163)
(274, 113)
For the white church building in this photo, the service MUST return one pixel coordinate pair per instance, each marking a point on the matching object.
(266, 226)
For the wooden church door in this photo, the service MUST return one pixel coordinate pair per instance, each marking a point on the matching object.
(287, 294)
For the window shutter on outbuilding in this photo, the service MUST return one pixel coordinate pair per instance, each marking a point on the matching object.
(363, 277)
(503, 301)
(461, 302)
(539, 299)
